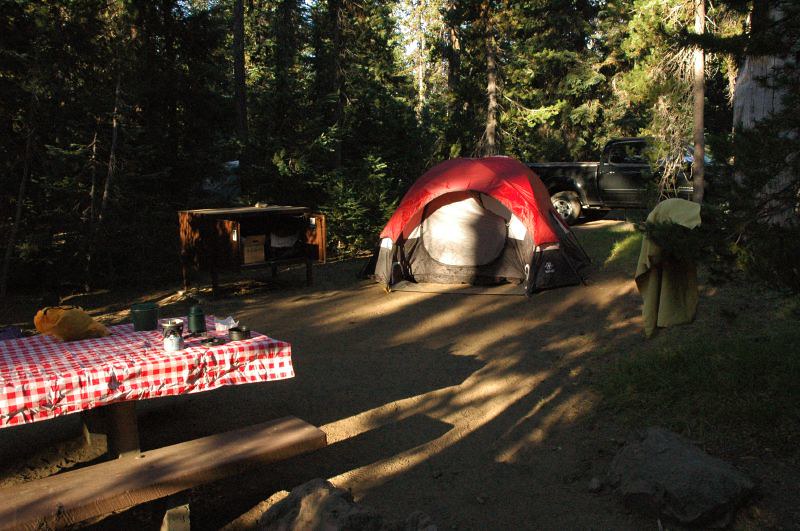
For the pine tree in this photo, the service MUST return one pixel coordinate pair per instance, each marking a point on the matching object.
(239, 74)
(554, 86)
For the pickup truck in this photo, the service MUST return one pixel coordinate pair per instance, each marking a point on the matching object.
(620, 180)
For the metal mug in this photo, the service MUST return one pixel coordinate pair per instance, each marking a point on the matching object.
(197, 320)
(144, 316)
(238, 333)
(171, 327)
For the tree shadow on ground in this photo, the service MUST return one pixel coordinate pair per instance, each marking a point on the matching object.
(514, 411)
(476, 410)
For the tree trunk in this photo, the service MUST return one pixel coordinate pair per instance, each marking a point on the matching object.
(285, 53)
(452, 53)
(97, 222)
(93, 187)
(26, 172)
(112, 155)
(336, 18)
(240, 89)
(92, 217)
(758, 97)
(421, 60)
(488, 145)
(170, 79)
(698, 96)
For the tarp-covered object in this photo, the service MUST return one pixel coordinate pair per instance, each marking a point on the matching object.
(479, 221)
(668, 285)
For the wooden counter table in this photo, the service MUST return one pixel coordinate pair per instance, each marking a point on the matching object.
(235, 239)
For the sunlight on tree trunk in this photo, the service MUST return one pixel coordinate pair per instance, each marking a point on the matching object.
(488, 144)
(421, 58)
(755, 98)
(490, 140)
(453, 58)
(698, 96)
(758, 97)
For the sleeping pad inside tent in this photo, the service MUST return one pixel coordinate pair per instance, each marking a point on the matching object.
(479, 221)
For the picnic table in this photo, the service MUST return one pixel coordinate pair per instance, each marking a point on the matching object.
(42, 378)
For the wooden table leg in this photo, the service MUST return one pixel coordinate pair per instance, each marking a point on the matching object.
(123, 430)
(94, 425)
(118, 423)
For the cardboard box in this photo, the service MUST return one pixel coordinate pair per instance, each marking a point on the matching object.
(254, 248)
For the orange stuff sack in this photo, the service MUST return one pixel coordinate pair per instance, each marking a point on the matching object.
(68, 323)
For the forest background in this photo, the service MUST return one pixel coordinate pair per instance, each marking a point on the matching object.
(114, 112)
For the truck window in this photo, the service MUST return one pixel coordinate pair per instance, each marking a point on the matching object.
(627, 153)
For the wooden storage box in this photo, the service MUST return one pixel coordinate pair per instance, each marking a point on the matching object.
(253, 249)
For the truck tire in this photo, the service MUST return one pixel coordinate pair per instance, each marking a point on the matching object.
(567, 205)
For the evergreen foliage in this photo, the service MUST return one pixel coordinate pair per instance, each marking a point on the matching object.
(347, 103)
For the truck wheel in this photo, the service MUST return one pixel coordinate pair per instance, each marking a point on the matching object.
(567, 205)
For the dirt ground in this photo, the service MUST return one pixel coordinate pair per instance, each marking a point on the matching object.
(478, 410)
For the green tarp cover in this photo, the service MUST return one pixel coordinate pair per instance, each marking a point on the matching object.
(668, 286)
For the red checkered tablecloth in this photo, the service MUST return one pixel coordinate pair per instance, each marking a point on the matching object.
(42, 377)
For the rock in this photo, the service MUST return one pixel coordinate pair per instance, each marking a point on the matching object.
(663, 474)
(595, 485)
(418, 521)
(319, 505)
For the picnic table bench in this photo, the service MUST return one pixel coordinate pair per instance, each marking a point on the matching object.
(42, 378)
(69, 498)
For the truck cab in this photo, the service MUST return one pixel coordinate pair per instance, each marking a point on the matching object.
(623, 178)
(625, 175)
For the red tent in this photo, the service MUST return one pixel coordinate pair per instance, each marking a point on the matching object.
(479, 221)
